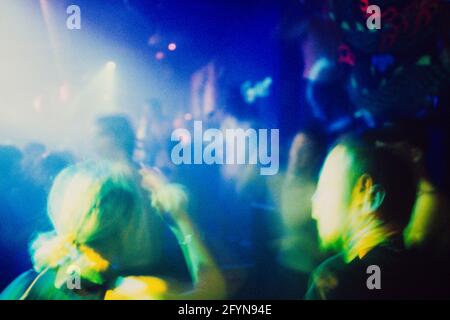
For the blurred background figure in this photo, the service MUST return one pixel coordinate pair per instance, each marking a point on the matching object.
(26, 178)
(13, 244)
(426, 143)
(115, 139)
(153, 133)
(299, 245)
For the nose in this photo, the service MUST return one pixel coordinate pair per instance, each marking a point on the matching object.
(314, 197)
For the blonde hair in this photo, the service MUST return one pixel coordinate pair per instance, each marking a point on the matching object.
(95, 206)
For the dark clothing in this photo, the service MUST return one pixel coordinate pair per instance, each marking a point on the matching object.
(404, 275)
(33, 286)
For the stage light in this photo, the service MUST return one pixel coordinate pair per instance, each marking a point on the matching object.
(172, 46)
(159, 55)
(153, 40)
(111, 66)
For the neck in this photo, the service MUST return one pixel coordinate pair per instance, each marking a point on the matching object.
(365, 236)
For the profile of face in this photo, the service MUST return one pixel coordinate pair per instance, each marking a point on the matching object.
(344, 200)
(331, 200)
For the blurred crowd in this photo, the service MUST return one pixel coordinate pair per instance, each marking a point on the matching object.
(359, 210)
(267, 235)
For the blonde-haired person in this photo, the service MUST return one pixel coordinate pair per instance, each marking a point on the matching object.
(104, 232)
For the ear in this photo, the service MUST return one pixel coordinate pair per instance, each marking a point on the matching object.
(370, 196)
(361, 193)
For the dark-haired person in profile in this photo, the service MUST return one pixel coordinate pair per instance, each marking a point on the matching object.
(362, 204)
(114, 140)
